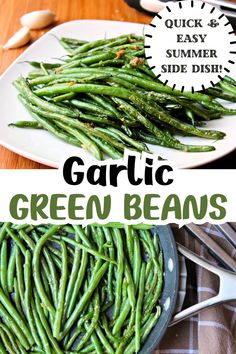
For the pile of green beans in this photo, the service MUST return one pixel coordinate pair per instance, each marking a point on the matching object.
(68, 289)
(103, 97)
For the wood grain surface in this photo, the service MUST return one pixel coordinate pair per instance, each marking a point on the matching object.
(65, 10)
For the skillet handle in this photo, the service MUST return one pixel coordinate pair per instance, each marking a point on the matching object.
(227, 289)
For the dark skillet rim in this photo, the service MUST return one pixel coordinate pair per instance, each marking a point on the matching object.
(170, 289)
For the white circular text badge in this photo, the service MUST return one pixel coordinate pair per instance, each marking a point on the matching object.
(190, 45)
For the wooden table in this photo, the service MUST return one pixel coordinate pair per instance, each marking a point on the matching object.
(66, 10)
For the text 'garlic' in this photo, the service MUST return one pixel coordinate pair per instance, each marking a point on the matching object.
(38, 19)
(19, 39)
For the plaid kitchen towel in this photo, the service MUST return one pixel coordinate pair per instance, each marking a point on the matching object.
(213, 331)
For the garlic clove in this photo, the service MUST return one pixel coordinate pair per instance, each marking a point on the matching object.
(152, 5)
(19, 39)
(37, 19)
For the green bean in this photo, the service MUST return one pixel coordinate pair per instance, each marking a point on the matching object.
(138, 310)
(17, 298)
(111, 338)
(37, 350)
(52, 128)
(19, 275)
(137, 266)
(15, 327)
(23, 226)
(74, 57)
(156, 111)
(22, 86)
(50, 272)
(53, 250)
(83, 88)
(87, 143)
(138, 53)
(53, 275)
(15, 315)
(151, 279)
(82, 235)
(28, 298)
(137, 144)
(2, 348)
(89, 118)
(229, 79)
(151, 249)
(46, 79)
(3, 267)
(228, 87)
(26, 124)
(36, 268)
(73, 41)
(89, 60)
(78, 283)
(158, 87)
(66, 46)
(89, 349)
(145, 103)
(42, 318)
(119, 225)
(3, 230)
(16, 240)
(94, 108)
(85, 248)
(65, 97)
(93, 131)
(183, 102)
(35, 73)
(151, 139)
(105, 103)
(6, 342)
(41, 330)
(152, 300)
(73, 79)
(145, 330)
(131, 286)
(215, 92)
(85, 297)
(107, 63)
(11, 269)
(92, 281)
(128, 71)
(145, 69)
(43, 68)
(137, 260)
(115, 43)
(95, 340)
(96, 44)
(121, 318)
(109, 239)
(169, 120)
(45, 282)
(73, 276)
(78, 330)
(120, 271)
(37, 64)
(218, 108)
(130, 243)
(107, 148)
(92, 325)
(13, 341)
(104, 340)
(79, 134)
(61, 293)
(27, 239)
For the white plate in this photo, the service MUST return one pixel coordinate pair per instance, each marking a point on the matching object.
(41, 146)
